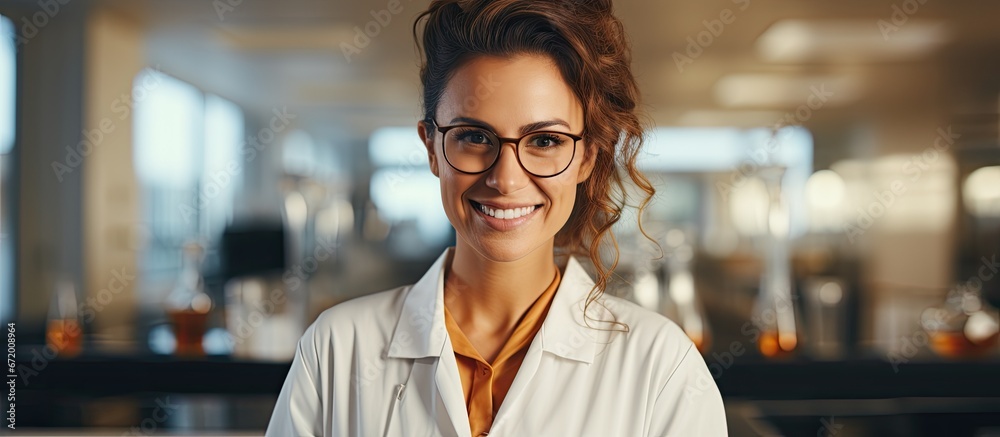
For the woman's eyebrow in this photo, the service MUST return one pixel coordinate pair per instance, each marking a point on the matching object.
(530, 127)
(472, 121)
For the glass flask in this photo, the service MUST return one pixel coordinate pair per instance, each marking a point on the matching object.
(775, 310)
(63, 332)
(963, 327)
(188, 305)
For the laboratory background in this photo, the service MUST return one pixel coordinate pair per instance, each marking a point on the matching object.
(185, 185)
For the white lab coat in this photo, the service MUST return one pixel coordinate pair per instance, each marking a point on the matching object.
(383, 365)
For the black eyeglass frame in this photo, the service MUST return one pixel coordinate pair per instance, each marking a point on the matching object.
(500, 142)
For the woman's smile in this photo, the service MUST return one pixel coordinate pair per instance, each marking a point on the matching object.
(505, 217)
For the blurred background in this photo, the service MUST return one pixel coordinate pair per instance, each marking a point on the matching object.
(187, 184)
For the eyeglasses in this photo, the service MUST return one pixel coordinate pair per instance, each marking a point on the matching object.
(474, 149)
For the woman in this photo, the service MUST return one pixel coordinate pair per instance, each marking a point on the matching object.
(529, 114)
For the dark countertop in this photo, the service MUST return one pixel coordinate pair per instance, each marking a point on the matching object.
(746, 378)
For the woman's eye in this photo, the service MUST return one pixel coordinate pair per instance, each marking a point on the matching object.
(475, 137)
(546, 140)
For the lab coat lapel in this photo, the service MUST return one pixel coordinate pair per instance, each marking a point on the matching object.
(421, 333)
(565, 332)
(561, 333)
(429, 403)
(525, 373)
(452, 394)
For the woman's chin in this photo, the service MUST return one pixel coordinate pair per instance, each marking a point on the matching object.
(501, 251)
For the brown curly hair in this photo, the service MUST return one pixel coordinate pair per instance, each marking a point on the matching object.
(589, 46)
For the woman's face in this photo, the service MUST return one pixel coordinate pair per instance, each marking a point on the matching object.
(511, 96)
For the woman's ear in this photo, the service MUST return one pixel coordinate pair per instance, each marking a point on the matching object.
(587, 166)
(429, 144)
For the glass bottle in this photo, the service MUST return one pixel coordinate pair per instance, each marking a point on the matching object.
(775, 307)
(63, 333)
(188, 305)
(964, 326)
(681, 300)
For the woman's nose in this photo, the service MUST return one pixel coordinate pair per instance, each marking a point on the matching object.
(507, 176)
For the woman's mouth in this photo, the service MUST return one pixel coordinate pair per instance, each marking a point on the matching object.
(504, 219)
(504, 214)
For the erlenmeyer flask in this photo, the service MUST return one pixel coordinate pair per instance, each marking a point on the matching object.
(63, 333)
(188, 305)
(775, 312)
(680, 300)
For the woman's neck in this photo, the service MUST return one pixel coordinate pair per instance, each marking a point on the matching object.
(490, 296)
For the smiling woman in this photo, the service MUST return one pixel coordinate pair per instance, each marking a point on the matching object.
(530, 126)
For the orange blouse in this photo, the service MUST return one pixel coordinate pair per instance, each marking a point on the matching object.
(486, 385)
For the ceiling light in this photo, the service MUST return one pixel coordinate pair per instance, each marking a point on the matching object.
(728, 118)
(786, 91)
(848, 40)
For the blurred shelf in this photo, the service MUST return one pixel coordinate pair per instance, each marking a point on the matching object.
(858, 379)
(95, 375)
(746, 378)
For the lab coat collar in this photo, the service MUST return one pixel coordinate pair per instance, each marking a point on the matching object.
(421, 330)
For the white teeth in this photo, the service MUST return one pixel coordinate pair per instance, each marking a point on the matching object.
(506, 214)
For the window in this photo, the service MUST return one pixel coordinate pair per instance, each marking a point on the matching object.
(7, 85)
(222, 167)
(7, 130)
(187, 160)
(709, 178)
(406, 194)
